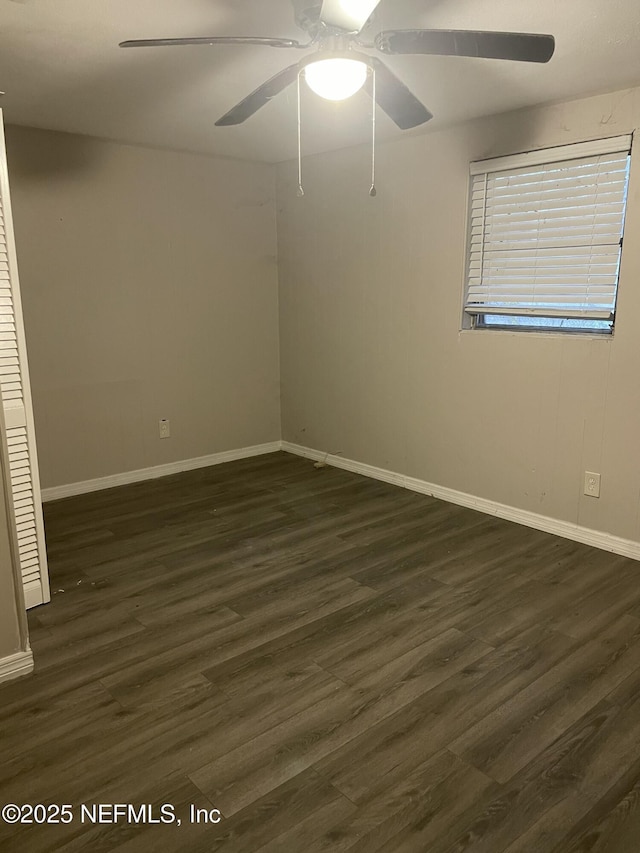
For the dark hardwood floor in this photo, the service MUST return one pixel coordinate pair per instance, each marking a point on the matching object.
(334, 663)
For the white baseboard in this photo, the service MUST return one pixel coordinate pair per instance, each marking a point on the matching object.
(56, 492)
(16, 665)
(566, 529)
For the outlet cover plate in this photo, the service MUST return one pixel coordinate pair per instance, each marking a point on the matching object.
(592, 484)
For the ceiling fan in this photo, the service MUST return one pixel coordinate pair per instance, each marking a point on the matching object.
(337, 69)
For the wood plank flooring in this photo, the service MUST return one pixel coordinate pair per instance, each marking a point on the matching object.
(333, 663)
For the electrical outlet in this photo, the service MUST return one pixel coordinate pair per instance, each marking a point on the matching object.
(592, 484)
(165, 430)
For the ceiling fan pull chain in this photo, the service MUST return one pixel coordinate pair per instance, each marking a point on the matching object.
(300, 187)
(373, 192)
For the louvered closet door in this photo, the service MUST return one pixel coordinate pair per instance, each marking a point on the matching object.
(18, 414)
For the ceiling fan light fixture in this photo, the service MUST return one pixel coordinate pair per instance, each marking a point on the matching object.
(336, 78)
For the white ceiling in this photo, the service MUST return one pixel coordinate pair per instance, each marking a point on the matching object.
(61, 68)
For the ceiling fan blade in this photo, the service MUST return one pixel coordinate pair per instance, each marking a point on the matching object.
(393, 97)
(523, 47)
(347, 15)
(262, 95)
(266, 42)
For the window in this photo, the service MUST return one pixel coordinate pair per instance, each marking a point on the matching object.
(545, 238)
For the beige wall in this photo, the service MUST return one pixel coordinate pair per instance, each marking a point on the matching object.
(373, 363)
(149, 284)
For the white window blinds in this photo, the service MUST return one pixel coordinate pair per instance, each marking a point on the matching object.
(546, 231)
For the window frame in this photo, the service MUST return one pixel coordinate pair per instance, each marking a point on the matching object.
(474, 319)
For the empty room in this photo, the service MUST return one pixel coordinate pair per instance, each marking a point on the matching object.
(320, 505)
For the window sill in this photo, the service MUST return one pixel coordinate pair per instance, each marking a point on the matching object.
(532, 333)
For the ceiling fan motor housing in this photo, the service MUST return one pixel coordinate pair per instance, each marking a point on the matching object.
(307, 14)
(334, 48)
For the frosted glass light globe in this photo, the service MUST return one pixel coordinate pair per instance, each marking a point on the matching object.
(336, 79)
